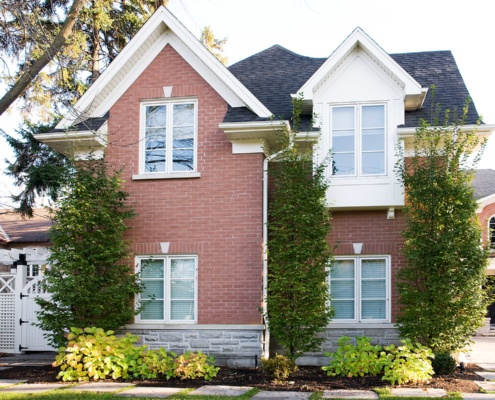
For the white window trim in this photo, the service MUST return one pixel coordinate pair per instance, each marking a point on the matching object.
(143, 174)
(166, 300)
(357, 290)
(358, 137)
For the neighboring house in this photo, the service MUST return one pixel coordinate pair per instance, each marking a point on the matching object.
(20, 233)
(484, 192)
(194, 136)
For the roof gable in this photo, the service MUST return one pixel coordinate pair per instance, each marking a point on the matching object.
(160, 30)
(359, 41)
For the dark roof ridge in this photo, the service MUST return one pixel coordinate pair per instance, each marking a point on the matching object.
(278, 47)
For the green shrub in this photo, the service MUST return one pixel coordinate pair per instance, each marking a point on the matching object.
(443, 364)
(354, 360)
(95, 354)
(408, 363)
(403, 364)
(280, 367)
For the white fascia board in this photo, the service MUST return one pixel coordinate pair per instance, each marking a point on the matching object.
(483, 130)
(358, 38)
(4, 233)
(173, 32)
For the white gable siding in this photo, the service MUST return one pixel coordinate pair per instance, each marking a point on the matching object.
(357, 81)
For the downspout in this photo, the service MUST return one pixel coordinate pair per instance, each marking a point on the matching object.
(266, 342)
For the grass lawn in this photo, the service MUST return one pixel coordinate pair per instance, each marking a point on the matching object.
(70, 395)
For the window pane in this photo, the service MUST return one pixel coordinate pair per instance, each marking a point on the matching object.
(373, 268)
(183, 268)
(343, 143)
(183, 160)
(153, 309)
(343, 164)
(155, 138)
(343, 118)
(156, 116)
(492, 232)
(373, 117)
(182, 289)
(342, 289)
(373, 289)
(152, 289)
(373, 163)
(152, 269)
(155, 161)
(342, 269)
(373, 309)
(182, 309)
(344, 309)
(183, 115)
(373, 139)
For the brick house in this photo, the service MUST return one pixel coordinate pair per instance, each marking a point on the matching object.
(194, 136)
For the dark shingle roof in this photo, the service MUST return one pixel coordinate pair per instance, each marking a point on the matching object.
(275, 73)
(484, 183)
(90, 124)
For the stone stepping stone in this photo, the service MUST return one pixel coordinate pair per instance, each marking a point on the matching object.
(411, 392)
(477, 396)
(4, 368)
(100, 387)
(487, 367)
(281, 395)
(32, 388)
(221, 391)
(490, 376)
(488, 386)
(7, 382)
(155, 392)
(349, 394)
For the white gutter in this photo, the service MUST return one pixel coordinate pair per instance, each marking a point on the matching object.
(266, 343)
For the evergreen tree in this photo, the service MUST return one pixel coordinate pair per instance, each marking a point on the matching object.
(440, 286)
(89, 277)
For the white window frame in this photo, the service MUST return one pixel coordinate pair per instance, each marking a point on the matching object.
(358, 134)
(357, 289)
(169, 139)
(166, 281)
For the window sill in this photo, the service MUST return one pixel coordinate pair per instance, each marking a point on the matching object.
(159, 175)
(360, 325)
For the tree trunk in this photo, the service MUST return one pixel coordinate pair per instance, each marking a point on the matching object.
(58, 43)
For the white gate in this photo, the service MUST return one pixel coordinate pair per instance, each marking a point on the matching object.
(18, 292)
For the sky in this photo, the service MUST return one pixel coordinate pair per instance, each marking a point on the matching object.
(315, 28)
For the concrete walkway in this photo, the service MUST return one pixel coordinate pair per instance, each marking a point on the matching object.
(487, 382)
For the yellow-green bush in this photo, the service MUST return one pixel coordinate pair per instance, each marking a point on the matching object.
(280, 367)
(95, 354)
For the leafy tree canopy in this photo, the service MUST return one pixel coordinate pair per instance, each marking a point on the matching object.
(89, 277)
(440, 286)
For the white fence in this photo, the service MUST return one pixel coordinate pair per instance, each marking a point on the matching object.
(19, 289)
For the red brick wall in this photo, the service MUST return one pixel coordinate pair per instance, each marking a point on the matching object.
(379, 235)
(218, 216)
(484, 217)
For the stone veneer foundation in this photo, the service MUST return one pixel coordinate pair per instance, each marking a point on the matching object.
(230, 347)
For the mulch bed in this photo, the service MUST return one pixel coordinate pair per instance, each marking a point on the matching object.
(307, 379)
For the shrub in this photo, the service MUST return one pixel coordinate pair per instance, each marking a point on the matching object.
(280, 367)
(408, 363)
(354, 360)
(95, 354)
(403, 364)
(443, 364)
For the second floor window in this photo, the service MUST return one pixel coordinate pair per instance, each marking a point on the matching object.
(169, 137)
(358, 140)
(491, 232)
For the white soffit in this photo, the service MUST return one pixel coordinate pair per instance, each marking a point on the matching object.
(358, 40)
(161, 29)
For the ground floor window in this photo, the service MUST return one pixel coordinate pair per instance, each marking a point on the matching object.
(360, 289)
(170, 288)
